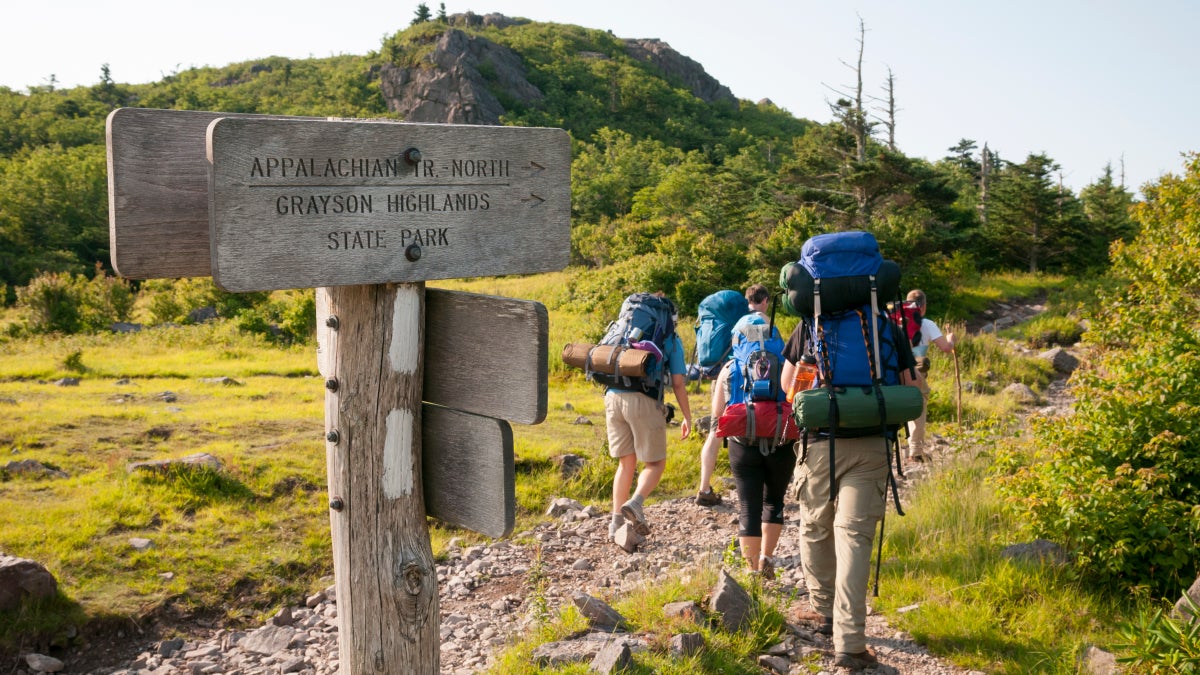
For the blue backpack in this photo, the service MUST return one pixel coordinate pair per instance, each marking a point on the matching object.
(644, 322)
(757, 411)
(714, 332)
(757, 361)
(836, 288)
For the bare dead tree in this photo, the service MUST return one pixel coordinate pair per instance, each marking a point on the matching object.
(888, 120)
(985, 171)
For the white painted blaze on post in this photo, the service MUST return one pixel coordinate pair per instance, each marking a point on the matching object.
(405, 349)
(404, 354)
(398, 455)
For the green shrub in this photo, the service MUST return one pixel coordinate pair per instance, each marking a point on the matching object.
(1118, 482)
(71, 303)
(50, 303)
(1159, 643)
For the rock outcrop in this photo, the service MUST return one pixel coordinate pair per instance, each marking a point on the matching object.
(464, 78)
(449, 85)
(677, 66)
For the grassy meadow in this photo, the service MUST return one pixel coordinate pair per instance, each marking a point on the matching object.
(236, 544)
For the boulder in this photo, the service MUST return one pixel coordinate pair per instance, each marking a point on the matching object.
(732, 602)
(21, 580)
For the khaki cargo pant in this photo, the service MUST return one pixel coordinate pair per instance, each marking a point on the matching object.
(836, 537)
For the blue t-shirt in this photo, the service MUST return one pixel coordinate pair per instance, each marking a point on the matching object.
(675, 360)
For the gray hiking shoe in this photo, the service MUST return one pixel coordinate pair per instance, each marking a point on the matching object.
(708, 498)
(859, 661)
(766, 568)
(634, 516)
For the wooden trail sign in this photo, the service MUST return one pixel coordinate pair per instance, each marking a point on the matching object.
(303, 203)
(158, 192)
(391, 457)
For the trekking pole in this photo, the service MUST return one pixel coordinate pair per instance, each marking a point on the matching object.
(879, 553)
(957, 386)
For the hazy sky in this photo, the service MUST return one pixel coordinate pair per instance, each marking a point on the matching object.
(1087, 83)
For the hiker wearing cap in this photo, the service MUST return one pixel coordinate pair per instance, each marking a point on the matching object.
(930, 335)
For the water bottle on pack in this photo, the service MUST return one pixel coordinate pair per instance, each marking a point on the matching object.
(805, 376)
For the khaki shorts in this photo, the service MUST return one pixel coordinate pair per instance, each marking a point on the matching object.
(636, 424)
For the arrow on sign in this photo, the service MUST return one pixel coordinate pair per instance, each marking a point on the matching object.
(532, 197)
(537, 166)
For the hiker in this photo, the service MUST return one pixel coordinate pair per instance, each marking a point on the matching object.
(762, 460)
(836, 537)
(637, 420)
(930, 334)
(758, 299)
(868, 386)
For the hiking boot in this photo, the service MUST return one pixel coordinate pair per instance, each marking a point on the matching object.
(708, 497)
(634, 516)
(859, 661)
(766, 568)
(824, 624)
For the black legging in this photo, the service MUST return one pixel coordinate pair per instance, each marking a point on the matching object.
(761, 484)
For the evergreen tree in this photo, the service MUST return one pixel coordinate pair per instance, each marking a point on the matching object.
(1032, 221)
(422, 14)
(1106, 206)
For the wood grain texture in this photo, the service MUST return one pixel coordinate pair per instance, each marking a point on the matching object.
(383, 564)
(158, 192)
(486, 355)
(303, 203)
(468, 469)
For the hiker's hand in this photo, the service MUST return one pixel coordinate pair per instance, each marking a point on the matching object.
(685, 428)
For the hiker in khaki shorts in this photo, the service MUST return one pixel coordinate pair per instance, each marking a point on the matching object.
(930, 335)
(637, 432)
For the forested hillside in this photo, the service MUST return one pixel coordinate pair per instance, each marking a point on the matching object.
(675, 184)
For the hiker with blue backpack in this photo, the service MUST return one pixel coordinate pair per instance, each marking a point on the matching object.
(867, 387)
(718, 314)
(756, 423)
(635, 414)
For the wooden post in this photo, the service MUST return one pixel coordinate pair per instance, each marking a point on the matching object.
(370, 355)
(366, 212)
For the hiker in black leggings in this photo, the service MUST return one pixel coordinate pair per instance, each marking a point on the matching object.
(761, 485)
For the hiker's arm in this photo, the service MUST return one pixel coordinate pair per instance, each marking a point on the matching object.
(719, 398)
(786, 373)
(945, 343)
(679, 384)
(912, 376)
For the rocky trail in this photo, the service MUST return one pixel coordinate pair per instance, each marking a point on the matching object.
(490, 594)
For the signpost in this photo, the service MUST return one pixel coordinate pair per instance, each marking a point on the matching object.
(419, 384)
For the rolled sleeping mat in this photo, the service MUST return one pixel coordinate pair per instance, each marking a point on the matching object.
(611, 360)
(838, 294)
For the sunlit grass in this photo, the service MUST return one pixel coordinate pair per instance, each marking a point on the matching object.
(966, 602)
(723, 652)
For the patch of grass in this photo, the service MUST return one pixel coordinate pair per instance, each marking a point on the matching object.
(972, 300)
(724, 652)
(973, 606)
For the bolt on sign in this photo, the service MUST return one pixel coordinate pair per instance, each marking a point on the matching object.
(300, 203)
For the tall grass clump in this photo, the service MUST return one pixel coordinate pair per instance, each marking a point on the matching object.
(966, 601)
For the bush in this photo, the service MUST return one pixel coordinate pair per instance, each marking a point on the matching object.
(1118, 482)
(50, 303)
(71, 303)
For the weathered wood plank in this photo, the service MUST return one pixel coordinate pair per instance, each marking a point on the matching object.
(304, 203)
(383, 564)
(468, 469)
(158, 192)
(486, 355)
